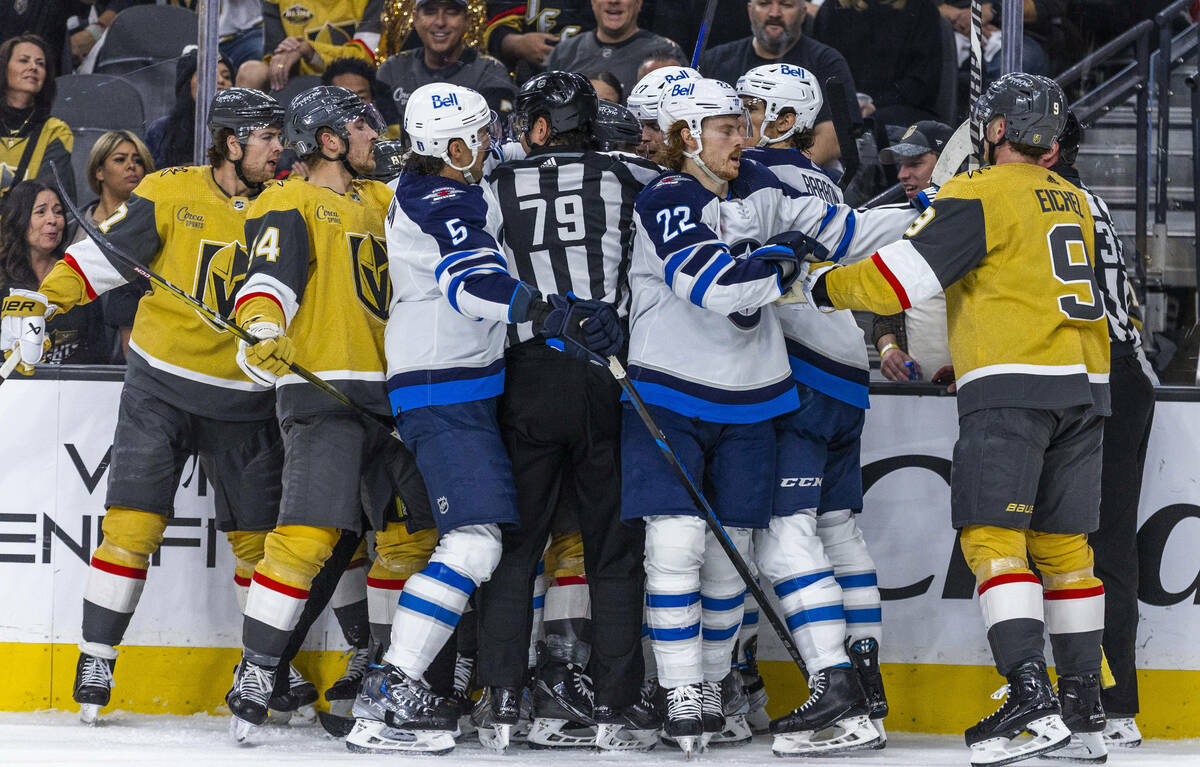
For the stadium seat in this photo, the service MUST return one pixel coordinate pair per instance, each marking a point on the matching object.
(92, 105)
(294, 87)
(144, 35)
(156, 84)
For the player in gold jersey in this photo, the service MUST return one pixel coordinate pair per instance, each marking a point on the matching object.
(183, 393)
(318, 294)
(1012, 246)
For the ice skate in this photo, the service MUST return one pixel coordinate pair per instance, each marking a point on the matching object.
(562, 706)
(1030, 707)
(252, 686)
(464, 678)
(735, 705)
(1083, 715)
(338, 721)
(496, 714)
(295, 706)
(836, 708)
(684, 723)
(756, 690)
(93, 686)
(1122, 732)
(864, 657)
(395, 712)
(712, 713)
(632, 728)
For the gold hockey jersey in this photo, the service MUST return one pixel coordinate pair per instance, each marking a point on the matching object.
(184, 227)
(319, 267)
(1012, 245)
(335, 28)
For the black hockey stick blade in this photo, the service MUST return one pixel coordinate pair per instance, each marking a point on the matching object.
(337, 726)
(710, 517)
(710, 9)
(115, 256)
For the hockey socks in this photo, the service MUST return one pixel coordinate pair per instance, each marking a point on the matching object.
(118, 572)
(854, 569)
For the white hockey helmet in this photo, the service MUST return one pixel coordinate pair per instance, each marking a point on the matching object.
(783, 86)
(694, 100)
(643, 99)
(438, 113)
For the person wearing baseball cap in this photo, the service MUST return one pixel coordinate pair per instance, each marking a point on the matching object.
(916, 153)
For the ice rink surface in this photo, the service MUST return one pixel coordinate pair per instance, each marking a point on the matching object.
(57, 738)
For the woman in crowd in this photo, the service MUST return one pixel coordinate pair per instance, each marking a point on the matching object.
(172, 138)
(31, 141)
(33, 227)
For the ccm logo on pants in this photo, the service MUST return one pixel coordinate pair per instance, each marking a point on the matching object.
(800, 482)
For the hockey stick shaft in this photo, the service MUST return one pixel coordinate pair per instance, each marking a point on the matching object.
(710, 517)
(112, 252)
(976, 84)
(10, 364)
(710, 9)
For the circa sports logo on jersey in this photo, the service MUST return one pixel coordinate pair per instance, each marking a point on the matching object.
(189, 219)
(220, 270)
(371, 280)
(328, 215)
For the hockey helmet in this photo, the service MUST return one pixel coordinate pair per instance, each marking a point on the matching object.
(389, 159)
(780, 87)
(1033, 107)
(438, 113)
(695, 100)
(566, 100)
(1070, 139)
(243, 111)
(643, 99)
(325, 106)
(616, 127)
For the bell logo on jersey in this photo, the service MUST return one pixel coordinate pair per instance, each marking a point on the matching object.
(445, 101)
(371, 280)
(220, 270)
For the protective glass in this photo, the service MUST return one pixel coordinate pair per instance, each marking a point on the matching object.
(371, 118)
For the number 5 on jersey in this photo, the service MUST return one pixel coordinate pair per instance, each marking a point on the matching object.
(267, 244)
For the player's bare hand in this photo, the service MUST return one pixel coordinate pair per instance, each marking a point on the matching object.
(894, 365)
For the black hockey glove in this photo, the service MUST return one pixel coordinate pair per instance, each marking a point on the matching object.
(585, 329)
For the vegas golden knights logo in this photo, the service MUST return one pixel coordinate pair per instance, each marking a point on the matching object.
(220, 271)
(371, 280)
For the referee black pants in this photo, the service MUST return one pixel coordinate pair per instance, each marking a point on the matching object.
(560, 419)
(1126, 434)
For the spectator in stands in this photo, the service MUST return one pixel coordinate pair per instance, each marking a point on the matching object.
(45, 18)
(1043, 32)
(33, 228)
(360, 76)
(913, 344)
(241, 29)
(345, 29)
(680, 21)
(444, 56)
(99, 18)
(777, 36)
(616, 44)
(522, 34)
(663, 57)
(117, 163)
(894, 49)
(172, 138)
(31, 141)
(607, 86)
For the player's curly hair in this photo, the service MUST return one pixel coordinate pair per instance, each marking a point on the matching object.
(672, 155)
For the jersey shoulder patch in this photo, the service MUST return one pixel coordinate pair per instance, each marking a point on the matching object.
(674, 188)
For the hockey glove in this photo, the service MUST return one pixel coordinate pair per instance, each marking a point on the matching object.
(581, 328)
(23, 326)
(786, 251)
(268, 359)
(809, 288)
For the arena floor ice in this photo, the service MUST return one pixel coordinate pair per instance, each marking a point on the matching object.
(57, 738)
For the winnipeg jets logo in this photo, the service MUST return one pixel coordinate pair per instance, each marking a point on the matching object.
(442, 193)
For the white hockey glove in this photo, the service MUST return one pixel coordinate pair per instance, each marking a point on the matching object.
(23, 327)
(268, 359)
(801, 291)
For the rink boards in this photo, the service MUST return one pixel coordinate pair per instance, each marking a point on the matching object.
(181, 646)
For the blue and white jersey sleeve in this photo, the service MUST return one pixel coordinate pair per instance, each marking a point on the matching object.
(850, 235)
(677, 216)
(470, 270)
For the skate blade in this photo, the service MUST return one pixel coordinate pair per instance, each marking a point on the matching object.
(1049, 734)
(880, 744)
(240, 729)
(337, 726)
(614, 737)
(304, 716)
(89, 714)
(497, 737)
(375, 737)
(1085, 748)
(559, 733)
(759, 720)
(737, 731)
(854, 733)
(688, 744)
(278, 718)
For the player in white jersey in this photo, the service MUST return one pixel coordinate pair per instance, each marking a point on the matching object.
(643, 102)
(445, 368)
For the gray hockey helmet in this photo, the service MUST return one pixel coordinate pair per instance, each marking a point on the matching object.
(325, 106)
(1033, 107)
(243, 111)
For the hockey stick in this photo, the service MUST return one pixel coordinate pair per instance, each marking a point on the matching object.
(113, 253)
(10, 364)
(976, 81)
(710, 517)
(710, 9)
(958, 148)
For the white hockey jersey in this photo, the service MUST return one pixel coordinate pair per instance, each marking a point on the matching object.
(826, 350)
(452, 294)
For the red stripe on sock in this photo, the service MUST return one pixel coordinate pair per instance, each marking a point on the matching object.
(571, 580)
(282, 588)
(394, 584)
(241, 580)
(897, 288)
(1094, 591)
(122, 570)
(1000, 580)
